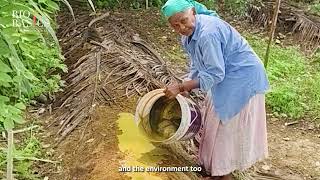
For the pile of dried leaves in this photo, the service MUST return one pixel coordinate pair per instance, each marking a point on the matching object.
(290, 19)
(107, 62)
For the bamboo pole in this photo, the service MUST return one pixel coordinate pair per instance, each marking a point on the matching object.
(10, 155)
(273, 28)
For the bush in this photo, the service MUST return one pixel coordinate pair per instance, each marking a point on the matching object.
(107, 4)
(135, 4)
(237, 7)
(30, 64)
(315, 8)
(28, 56)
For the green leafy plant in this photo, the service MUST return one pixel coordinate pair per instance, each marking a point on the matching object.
(294, 81)
(28, 56)
(135, 4)
(157, 3)
(237, 7)
(30, 61)
(210, 4)
(30, 65)
(107, 4)
(24, 154)
(315, 8)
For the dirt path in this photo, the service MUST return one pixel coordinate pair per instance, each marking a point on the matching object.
(294, 151)
(91, 151)
(96, 155)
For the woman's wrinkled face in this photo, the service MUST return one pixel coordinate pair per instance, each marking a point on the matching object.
(183, 22)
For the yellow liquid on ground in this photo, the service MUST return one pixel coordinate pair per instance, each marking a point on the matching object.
(140, 154)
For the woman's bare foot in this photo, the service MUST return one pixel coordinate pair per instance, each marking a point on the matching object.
(212, 178)
(226, 177)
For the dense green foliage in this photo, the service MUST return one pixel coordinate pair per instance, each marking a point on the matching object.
(135, 4)
(30, 63)
(28, 55)
(210, 4)
(294, 80)
(235, 7)
(315, 8)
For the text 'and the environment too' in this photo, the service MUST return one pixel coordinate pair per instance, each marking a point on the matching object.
(159, 169)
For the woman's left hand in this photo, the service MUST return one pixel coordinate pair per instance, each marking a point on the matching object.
(172, 91)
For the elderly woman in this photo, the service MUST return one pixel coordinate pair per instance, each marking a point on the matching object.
(223, 65)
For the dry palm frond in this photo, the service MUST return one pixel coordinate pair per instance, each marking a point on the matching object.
(292, 19)
(100, 72)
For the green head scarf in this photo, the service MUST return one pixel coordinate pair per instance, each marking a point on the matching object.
(172, 7)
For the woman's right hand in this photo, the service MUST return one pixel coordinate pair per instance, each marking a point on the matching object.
(185, 94)
(172, 91)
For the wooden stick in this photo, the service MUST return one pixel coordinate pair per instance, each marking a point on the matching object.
(98, 18)
(25, 129)
(98, 59)
(10, 155)
(291, 123)
(99, 44)
(273, 28)
(35, 159)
